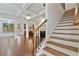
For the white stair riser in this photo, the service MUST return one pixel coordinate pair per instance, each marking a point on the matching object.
(76, 37)
(68, 27)
(67, 31)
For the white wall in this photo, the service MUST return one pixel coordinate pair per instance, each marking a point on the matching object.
(69, 6)
(54, 12)
(0, 27)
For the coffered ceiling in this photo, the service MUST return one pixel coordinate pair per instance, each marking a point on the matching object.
(21, 10)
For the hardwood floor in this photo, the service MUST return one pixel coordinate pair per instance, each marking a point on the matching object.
(16, 47)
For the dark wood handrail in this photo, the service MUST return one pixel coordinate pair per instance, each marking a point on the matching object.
(40, 25)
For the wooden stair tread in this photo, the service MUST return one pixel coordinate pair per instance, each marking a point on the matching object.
(63, 25)
(55, 52)
(63, 46)
(65, 39)
(67, 29)
(66, 33)
(67, 19)
(75, 37)
(63, 22)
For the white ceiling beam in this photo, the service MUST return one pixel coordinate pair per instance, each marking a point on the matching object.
(25, 6)
(42, 12)
(39, 14)
(30, 12)
(20, 11)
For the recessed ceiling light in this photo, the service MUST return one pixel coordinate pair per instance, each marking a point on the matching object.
(28, 17)
(9, 22)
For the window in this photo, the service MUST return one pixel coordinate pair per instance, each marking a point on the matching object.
(8, 27)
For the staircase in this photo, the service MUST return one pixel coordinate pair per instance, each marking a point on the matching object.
(65, 38)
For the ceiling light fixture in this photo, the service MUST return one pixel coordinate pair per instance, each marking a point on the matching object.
(9, 22)
(28, 17)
